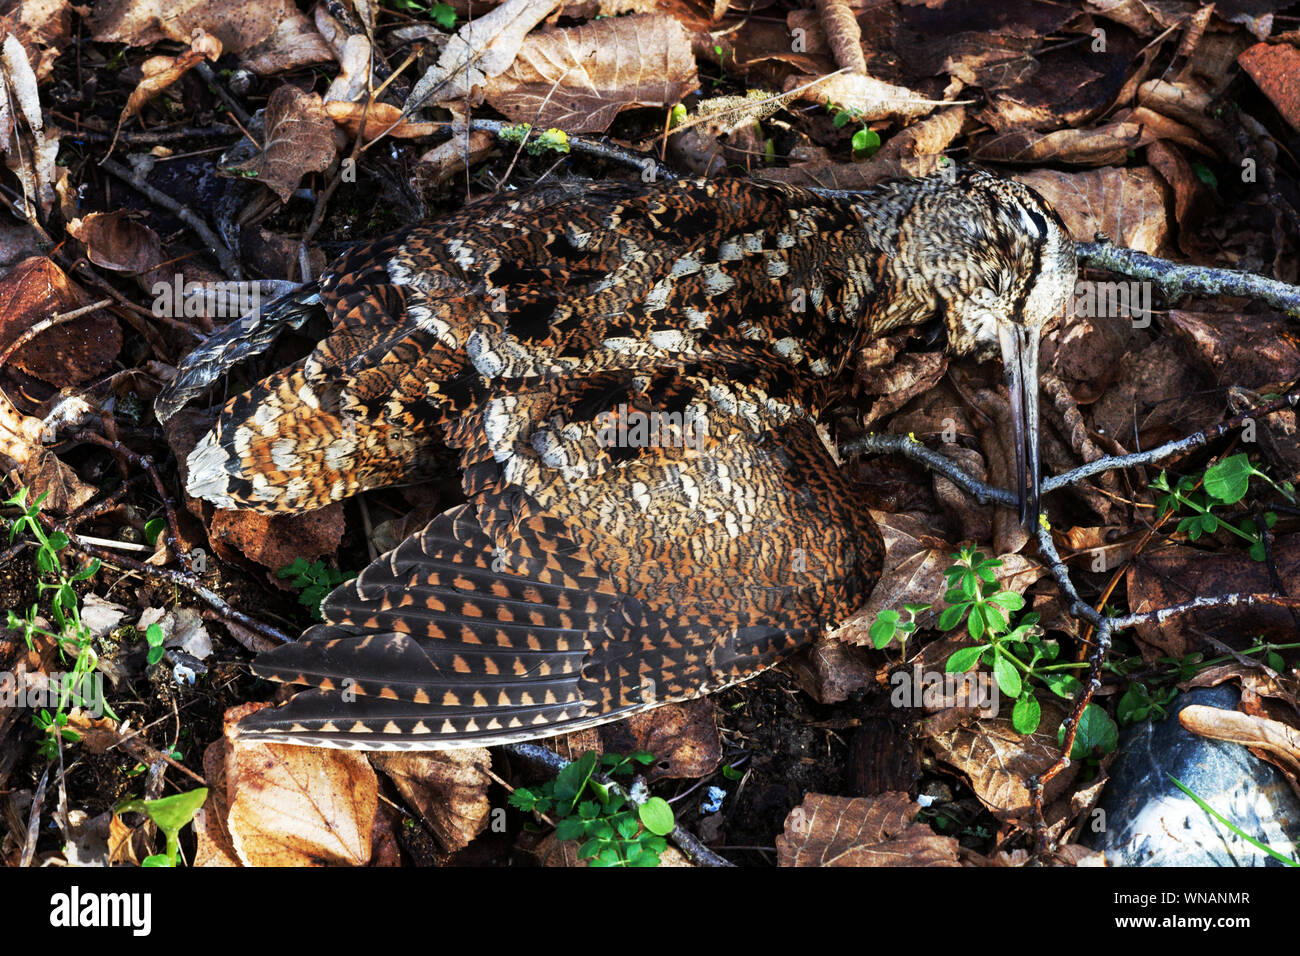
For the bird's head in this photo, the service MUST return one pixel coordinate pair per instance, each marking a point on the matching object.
(1001, 264)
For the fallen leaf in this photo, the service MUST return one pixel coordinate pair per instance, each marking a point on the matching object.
(861, 831)
(580, 78)
(448, 788)
(67, 353)
(299, 140)
(298, 806)
(683, 737)
(115, 240)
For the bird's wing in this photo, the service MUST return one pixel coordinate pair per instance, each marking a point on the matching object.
(577, 587)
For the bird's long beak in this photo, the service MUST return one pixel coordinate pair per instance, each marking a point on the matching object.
(1020, 357)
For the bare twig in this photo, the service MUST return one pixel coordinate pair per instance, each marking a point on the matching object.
(228, 263)
(1175, 279)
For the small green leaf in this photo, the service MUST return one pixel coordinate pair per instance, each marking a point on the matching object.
(963, 660)
(1026, 714)
(866, 141)
(1007, 676)
(1228, 480)
(1096, 731)
(657, 816)
(153, 529)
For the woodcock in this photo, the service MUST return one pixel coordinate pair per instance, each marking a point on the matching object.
(632, 377)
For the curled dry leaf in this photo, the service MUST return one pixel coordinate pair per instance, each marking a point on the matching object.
(34, 162)
(482, 48)
(354, 71)
(298, 806)
(861, 831)
(380, 118)
(1261, 733)
(842, 34)
(448, 788)
(447, 159)
(299, 140)
(580, 78)
(114, 240)
(872, 99)
(44, 29)
(160, 72)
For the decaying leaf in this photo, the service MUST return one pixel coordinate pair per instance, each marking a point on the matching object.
(483, 48)
(448, 788)
(117, 241)
(67, 353)
(298, 806)
(871, 99)
(861, 831)
(299, 140)
(160, 72)
(580, 78)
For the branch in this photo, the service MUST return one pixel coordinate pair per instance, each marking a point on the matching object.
(1175, 279)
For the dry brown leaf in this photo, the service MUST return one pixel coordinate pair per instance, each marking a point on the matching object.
(295, 43)
(683, 737)
(831, 670)
(160, 72)
(580, 78)
(238, 24)
(448, 788)
(449, 158)
(872, 99)
(299, 140)
(44, 27)
(380, 118)
(1275, 68)
(1249, 731)
(1128, 205)
(843, 34)
(1249, 351)
(998, 761)
(861, 831)
(274, 541)
(899, 382)
(482, 48)
(67, 353)
(115, 240)
(1175, 574)
(214, 847)
(298, 806)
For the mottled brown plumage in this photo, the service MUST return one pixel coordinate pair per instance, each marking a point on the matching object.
(596, 572)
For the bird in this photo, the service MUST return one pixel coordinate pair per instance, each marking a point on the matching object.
(632, 376)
